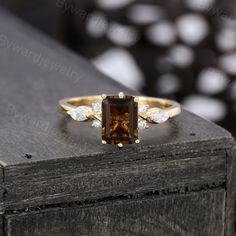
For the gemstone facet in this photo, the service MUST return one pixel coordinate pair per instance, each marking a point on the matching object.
(97, 124)
(142, 124)
(119, 120)
(81, 113)
(160, 116)
(97, 107)
(142, 108)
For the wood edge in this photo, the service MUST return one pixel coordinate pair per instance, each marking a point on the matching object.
(213, 145)
(230, 204)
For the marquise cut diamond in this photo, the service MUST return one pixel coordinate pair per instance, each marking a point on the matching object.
(160, 116)
(79, 114)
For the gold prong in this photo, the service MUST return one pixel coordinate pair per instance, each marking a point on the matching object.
(136, 99)
(137, 141)
(97, 117)
(120, 145)
(104, 142)
(103, 96)
(121, 95)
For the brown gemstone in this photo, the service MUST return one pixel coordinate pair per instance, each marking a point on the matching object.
(119, 120)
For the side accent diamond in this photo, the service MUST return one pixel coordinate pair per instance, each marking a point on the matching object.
(142, 124)
(142, 108)
(160, 116)
(97, 124)
(80, 113)
(97, 107)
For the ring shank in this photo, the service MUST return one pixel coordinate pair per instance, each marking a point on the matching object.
(172, 107)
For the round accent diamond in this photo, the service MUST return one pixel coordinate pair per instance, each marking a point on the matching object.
(97, 107)
(160, 116)
(80, 113)
(143, 108)
(97, 124)
(142, 124)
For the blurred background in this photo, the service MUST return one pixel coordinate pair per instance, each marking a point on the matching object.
(178, 49)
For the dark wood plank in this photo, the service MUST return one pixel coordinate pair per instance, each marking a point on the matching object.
(87, 179)
(231, 194)
(192, 215)
(2, 224)
(2, 196)
(2, 190)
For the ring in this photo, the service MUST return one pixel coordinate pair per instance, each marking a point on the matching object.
(119, 117)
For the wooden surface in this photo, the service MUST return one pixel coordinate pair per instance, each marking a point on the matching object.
(2, 190)
(191, 215)
(2, 233)
(231, 193)
(30, 91)
(90, 179)
(68, 165)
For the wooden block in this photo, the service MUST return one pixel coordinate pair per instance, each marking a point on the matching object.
(231, 193)
(91, 178)
(2, 190)
(2, 233)
(192, 214)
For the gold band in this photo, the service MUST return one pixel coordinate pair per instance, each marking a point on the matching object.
(173, 108)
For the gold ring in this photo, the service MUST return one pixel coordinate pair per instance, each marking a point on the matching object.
(120, 117)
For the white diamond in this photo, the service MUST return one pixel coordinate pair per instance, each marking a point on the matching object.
(97, 107)
(97, 124)
(79, 114)
(142, 108)
(160, 116)
(142, 124)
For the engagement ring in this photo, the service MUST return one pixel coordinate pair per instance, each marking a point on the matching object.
(120, 117)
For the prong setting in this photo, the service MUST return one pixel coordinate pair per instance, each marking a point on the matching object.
(137, 141)
(103, 96)
(121, 95)
(120, 145)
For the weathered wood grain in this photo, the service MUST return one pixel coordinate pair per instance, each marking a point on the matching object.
(192, 215)
(2, 194)
(2, 233)
(90, 179)
(2, 190)
(231, 193)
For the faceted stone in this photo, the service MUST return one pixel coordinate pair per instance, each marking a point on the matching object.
(81, 113)
(143, 108)
(97, 108)
(142, 124)
(160, 116)
(119, 120)
(97, 124)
